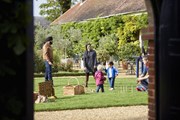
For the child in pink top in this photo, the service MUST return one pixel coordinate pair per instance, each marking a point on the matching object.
(99, 77)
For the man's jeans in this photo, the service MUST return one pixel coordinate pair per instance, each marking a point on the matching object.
(48, 71)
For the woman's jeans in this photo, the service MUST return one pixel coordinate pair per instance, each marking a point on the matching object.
(48, 71)
(111, 82)
(100, 87)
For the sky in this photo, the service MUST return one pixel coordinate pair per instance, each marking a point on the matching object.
(36, 4)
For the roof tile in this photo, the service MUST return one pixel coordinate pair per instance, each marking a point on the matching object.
(99, 8)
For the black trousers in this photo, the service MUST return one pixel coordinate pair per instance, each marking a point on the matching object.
(87, 78)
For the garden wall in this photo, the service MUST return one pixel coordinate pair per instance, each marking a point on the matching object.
(148, 34)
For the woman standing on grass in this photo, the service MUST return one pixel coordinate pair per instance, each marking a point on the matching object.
(89, 62)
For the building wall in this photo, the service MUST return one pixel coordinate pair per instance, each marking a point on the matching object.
(151, 92)
(148, 34)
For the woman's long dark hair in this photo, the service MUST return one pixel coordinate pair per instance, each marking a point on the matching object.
(87, 45)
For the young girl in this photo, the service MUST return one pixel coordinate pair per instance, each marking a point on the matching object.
(112, 72)
(99, 77)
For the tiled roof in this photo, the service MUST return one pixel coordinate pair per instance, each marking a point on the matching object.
(99, 8)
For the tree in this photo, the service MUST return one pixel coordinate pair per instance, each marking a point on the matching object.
(107, 47)
(65, 5)
(129, 50)
(128, 34)
(54, 8)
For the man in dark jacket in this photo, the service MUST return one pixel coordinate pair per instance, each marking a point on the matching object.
(89, 62)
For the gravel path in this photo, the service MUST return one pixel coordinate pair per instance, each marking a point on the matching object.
(111, 113)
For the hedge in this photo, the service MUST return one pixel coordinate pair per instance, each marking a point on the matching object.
(60, 74)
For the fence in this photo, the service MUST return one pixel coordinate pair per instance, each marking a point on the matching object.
(124, 88)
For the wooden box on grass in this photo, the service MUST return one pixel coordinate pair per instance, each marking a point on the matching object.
(73, 89)
(46, 88)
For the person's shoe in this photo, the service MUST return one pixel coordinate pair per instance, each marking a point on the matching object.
(138, 89)
(85, 85)
(111, 89)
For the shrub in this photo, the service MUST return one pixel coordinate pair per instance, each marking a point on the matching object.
(62, 73)
(66, 66)
(38, 62)
(128, 50)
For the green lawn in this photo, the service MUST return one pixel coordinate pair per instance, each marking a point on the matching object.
(123, 95)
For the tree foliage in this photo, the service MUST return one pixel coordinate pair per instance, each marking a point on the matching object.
(50, 10)
(54, 8)
(107, 47)
(128, 34)
(65, 5)
(129, 50)
(124, 28)
(129, 30)
(113, 36)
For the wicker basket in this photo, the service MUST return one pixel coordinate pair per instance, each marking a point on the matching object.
(73, 89)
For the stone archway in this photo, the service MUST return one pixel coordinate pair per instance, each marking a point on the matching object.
(16, 64)
(148, 34)
(22, 86)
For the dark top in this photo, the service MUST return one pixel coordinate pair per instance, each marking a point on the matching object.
(145, 70)
(89, 60)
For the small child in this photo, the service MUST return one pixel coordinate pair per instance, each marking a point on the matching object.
(112, 72)
(99, 77)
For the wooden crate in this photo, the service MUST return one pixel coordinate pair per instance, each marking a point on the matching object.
(46, 88)
(73, 89)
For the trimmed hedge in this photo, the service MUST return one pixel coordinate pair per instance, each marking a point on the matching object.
(60, 74)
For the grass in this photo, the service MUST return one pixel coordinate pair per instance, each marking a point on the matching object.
(123, 95)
